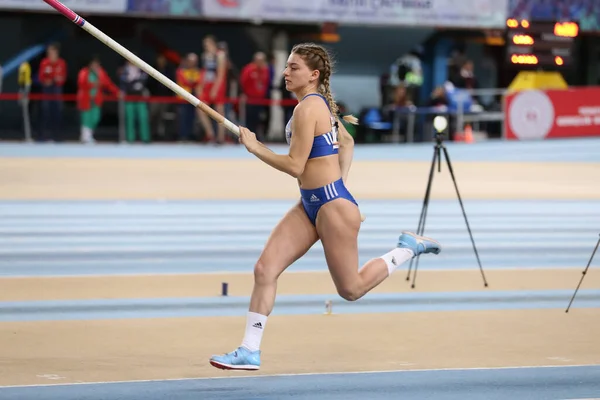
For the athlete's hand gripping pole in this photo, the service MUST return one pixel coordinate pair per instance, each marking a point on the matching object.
(76, 19)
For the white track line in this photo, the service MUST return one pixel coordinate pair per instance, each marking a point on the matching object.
(250, 272)
(300, 374)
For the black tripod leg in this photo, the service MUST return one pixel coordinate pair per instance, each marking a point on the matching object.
(421, 225)
(421, 228)
(583, 275)
(464, 213)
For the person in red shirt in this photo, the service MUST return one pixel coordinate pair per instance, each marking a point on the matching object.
(254, 82)
(214, 85)
(52, 76)
(92, 83)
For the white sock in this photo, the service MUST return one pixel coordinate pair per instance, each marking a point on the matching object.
(398, 256)
(255, 325)
(87, 134)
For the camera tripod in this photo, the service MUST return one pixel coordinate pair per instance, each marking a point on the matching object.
(583, 276)
(437, 156)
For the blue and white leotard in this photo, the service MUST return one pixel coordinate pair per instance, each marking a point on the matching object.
(323, 145)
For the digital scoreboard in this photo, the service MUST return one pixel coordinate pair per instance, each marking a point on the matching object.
(540, 44)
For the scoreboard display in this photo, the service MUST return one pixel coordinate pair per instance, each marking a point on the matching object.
(540, 44)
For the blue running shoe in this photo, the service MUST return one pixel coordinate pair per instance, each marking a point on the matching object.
(419, 244)
(239, 359)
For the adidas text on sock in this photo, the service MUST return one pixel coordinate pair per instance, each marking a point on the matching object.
(396, 257)
(255, 325)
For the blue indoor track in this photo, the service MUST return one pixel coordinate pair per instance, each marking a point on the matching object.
(108, 238)
(579, 150)
(542, 383)
(155, 237)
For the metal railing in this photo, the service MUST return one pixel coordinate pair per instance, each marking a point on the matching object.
(404, 124)
(30, 120)
(407, 121)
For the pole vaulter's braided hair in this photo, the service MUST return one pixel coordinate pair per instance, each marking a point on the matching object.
(317, 58)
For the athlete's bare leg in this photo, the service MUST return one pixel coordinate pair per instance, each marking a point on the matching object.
(290, 240)
(293, 236)
(338, 223)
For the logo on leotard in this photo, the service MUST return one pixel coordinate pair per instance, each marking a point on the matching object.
(314, 198)
(334, 138)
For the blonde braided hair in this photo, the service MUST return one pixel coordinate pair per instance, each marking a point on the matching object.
(317, 58)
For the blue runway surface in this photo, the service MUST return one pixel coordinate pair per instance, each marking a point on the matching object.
(293, 305)
(87, 238)
(580, 150)
(548, 383)
(104, 238)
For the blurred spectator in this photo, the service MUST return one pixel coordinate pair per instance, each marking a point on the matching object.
(438, 98)
(232, 75)
(408, 72)
(25, 81)
(439, 103)
(159, 109)
(401, 97)
(214, 85)
(92, 81)
(52, 76)
(255, 82)
(133, 83)
(189, 78)
(467, 79)
(455, 62)
(397, 109)
(25, 78)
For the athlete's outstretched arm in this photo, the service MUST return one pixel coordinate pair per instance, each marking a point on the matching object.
(293, 163)
(346, 151)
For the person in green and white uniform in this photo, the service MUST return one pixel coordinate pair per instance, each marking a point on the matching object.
(134, 83)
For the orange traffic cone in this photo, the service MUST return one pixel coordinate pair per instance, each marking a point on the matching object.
(469, 134)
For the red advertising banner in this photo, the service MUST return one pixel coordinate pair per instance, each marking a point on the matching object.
(545, 114)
